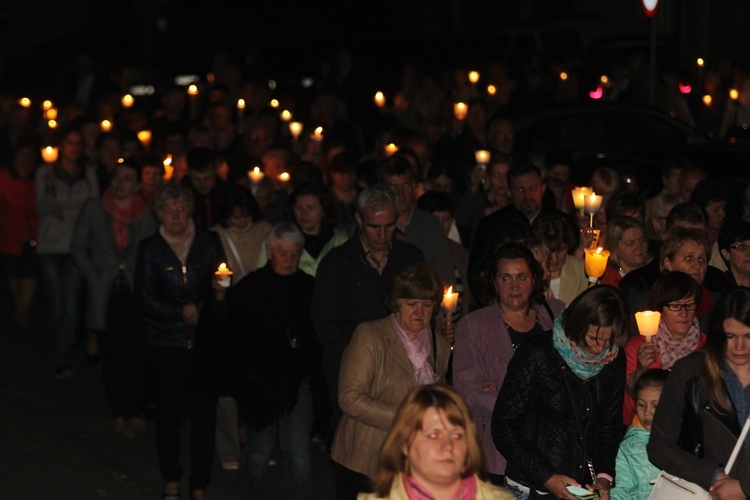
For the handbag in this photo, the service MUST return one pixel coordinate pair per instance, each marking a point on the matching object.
(671, 487)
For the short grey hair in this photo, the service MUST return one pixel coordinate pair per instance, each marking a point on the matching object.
(285, 232)
(376, 198)
(174, 192)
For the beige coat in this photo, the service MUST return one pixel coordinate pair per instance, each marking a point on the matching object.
(375, 376)
(573, 279)
(485, 491)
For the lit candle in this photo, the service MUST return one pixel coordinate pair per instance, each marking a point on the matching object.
(296, 129)
(579, 197)
(25, 102)
(648, 323)
(734, 94)
(51, 114)
(460, 110)
(240, 107)
(379, 99)
(482, 157)
(593, 203)
(317, 134)
(274, 103)
(145, 137)
(595, 263)
(474, 76)
(224, 274)
(127, 101)
(390, 149)
(49, 154)
(192, 90)
(450, 301)
(168, 168)
(105, 125)
(47, 105)
(255, 175)
(707, 99)
(563, 76)
(284, 177)
(52, 123)
(286, 115)
(491, 90)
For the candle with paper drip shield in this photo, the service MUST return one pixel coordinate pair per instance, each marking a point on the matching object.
(592, 204)
(595, 263)
(379, 99)
(49, 154)
(482, 157)
(224, 274)
(296, 129)
(579, 198)
(648, 323)
(460, 109)
(450, 301)
(168, 168)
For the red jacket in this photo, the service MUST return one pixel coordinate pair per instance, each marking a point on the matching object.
(18, 219)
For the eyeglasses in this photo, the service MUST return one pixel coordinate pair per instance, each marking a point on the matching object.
(690, 306)
(740, 247)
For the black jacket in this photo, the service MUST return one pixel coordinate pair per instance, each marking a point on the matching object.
(688, 438)
(534, 421)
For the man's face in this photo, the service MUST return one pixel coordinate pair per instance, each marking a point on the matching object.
(202, 182)
(738, 258)
(377, 227)
(403, 186)
(526, 192)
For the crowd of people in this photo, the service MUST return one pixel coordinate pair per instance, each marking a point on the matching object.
(301, 300)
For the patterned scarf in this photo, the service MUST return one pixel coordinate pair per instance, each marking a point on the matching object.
(123, 216)
(180, 245)
(418, 349)
(467, 490)
(670, 349)
(583, 365)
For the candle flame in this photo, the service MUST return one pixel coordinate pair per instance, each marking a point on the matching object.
(599, 250)
(168, 160)
(222, 267)
(449, 291)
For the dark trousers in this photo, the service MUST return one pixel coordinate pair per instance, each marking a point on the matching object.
(348, 483)
(174, 404)
(124, 355)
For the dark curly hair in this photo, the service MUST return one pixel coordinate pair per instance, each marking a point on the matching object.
(512, 250)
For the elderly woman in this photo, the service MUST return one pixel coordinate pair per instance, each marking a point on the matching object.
(567, 275)
(385, 359)
(104, 247)
(273, 343)
(625, 239)
(676, 296)
(704, 405)
(174, 285)
(557, 417)
(433, 425)
(487, 338)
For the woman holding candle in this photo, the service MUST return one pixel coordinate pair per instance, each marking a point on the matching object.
(104, 246)
(433, 448)
(625, 238)
(486, 339)
(175, 286)
(384, 360)
(704, 405)
(676, 296)
(557, 419)
(61, 190)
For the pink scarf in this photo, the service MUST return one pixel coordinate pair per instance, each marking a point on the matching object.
(180, 245)
(670, 349)
(467, 490)
(123, 216)
(418, 349)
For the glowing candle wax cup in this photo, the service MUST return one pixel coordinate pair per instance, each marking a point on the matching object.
(592, 203)
(460, 109)
(255, 175)
(296, 129)
(224, 274)
(145, 137)
(648, 323)
(284, 177)
(379, 99)
(168, 168)
(127, 101)
(595, 263)
(390, 149)
(579, 197)
(482, 156)
(105, 125)
(49, 154)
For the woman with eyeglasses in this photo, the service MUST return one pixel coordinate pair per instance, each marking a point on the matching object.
(676, 296)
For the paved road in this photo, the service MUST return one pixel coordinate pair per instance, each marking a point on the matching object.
(56, 439)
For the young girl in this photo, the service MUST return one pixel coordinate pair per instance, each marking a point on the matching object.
(634, 472)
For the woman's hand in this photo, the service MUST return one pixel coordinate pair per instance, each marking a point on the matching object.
(478, 175)
(190, 314)
(220, 291)
(557, 484)
(490, 386)
(646, 356)
(726, 488)
(603, 486)
(448, 330)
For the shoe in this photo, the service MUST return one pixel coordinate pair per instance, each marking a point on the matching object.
(64, 373)
(230, 465)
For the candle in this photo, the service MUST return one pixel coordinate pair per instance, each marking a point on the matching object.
(224, 274)
(286, 115)
(474, 76)
(105, 125)
(317, 134)
(648, 323)
(192, 90)
(145, 137)
(734, 94)
(25, 102)
(127, 101)
(460, 110)
(274, 103)
(595, 263)
(52, 123)
(379, 99)
(450, 301)
(296, 129)
(255, 175)
(482, 156)
(491, 90)
(579, 197)
(707, 99)
(240, 107)
(593, 203)
(49, 154)
(390, 149)
(51, 114)
(47, 105)
(284, 177)
(168, 168)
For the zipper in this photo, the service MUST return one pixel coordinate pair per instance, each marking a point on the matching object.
(184, 276)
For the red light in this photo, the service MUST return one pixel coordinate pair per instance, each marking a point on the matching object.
(596, 93)
(685, 88)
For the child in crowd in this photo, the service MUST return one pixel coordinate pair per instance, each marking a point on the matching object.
(634, 472)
